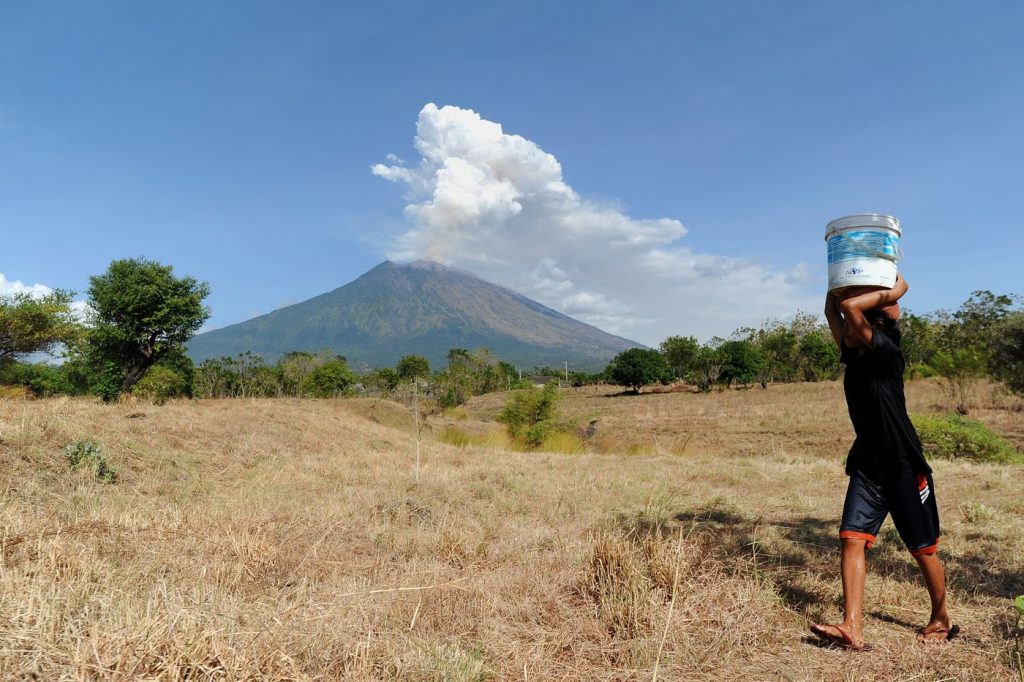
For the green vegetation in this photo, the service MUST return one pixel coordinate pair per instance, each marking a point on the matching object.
(141, 314)
(34, 324)
(530, 414)
(413, 366)
(639, 367)
(956, 436)
(680, 352)
(86, 453)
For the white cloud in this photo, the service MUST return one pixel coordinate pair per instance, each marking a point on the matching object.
(9, 288)
(496, 204)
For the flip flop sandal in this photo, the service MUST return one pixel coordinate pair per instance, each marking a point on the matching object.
(843, 639)
(952, 632)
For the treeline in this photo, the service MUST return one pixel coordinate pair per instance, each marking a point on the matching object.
(983, 338)
(326, 374)
(131, 337)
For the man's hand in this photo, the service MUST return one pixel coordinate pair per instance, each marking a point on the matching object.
(854, 303)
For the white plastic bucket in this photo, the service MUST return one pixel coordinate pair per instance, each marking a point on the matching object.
(863, 250)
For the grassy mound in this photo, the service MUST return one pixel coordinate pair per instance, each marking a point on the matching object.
(955, 437)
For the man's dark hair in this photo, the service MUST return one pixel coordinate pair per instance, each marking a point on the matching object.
(879, 320)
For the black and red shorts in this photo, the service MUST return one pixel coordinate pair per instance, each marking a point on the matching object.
(909, 497)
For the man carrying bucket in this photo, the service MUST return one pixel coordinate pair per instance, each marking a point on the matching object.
(887, 470)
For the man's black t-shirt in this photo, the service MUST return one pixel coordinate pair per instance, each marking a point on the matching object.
(886, 440)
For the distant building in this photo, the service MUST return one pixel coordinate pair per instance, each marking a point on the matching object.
(541, 381)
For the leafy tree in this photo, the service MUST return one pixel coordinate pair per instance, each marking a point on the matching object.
(778, 346)
(679, 352)
(819, 356)
(30, 324)
(294, 367)
(707, 367)
(980, 316)
(921, 338)
(384, 379)
(412, 367)
(142, 312)
(742, 362)
(1008, 354)
(961, 368)
(329, 380)
(639, 367)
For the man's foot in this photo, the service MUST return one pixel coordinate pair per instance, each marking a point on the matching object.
(846, 635)
(938, 630)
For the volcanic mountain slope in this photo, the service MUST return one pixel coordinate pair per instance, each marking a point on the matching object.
(422, 308)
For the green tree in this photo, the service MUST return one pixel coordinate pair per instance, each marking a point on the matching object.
(142, 312)
(778, 346)
(329, 380)
(384, 379)
(31, 324)
(961, 368)
(743, 362)
(1008, 353)
(294, 367)
(707, 367)
(413, 366)
(819, 356)
(679, 352)
(921, 338)
(639, 367)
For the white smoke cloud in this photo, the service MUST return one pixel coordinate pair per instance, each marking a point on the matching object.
(496, 204)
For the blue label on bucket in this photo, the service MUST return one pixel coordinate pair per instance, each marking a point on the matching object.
(854, 245)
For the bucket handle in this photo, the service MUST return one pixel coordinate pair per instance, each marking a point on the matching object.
(872, 252)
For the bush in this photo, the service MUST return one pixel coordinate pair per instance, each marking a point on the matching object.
(329, 380)
(160, 384)
(88, 453)
(40, 379)
(921, 371)
(529, 414)
(955, 436)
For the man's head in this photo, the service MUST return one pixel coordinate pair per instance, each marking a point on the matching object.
(881, 320)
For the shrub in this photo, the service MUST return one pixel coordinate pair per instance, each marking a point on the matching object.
(88, 453)
(529, 414)
(955, 436)
(329, 380)
(160, 384)
(921, 371)
(40, 379)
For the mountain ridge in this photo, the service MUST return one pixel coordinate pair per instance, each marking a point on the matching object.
(422, 308)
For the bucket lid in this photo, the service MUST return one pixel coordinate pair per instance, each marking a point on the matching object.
(864, 220)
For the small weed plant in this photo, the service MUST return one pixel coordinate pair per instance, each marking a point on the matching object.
(88, 453)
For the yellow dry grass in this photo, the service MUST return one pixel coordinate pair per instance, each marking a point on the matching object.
(288, 539)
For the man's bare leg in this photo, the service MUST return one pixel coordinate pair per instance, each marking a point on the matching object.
(853, 567)
(935, 580)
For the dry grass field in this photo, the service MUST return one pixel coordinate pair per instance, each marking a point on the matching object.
(287, 539)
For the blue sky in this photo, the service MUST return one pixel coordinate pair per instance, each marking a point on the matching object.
(236, 142)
